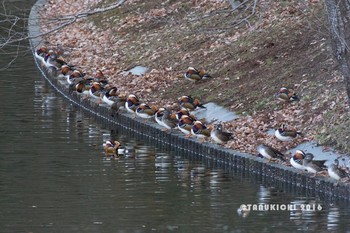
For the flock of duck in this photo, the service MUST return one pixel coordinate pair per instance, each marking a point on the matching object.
(97, 88)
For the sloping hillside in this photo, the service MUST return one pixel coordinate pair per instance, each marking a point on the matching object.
(251, 52)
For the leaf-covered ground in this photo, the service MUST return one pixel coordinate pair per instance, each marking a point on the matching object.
(251, 52)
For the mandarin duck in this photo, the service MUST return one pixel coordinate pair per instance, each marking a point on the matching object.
(51, 59)
(96, 91)
(185, 125)
(132, 103)
(182, 112)
(74, 76)
(158, 116)
(270, 153)
(80, 87)
(286, 95)
(219, 136)
(310, 165)
(66, 71)
(195, 75)
(200, 130)
(40, 53)
(187, 102)
(110, 95)
(100, 77)
(297, 160)
(111, 148)
(145, 111)
(336, 172)
(284, 134)
(169, 120)
(59, 50)
(119, 102)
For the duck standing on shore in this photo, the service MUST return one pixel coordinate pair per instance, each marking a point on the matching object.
(185, 125)
(110, 95)
(145, 111)
(80, 87)
(53, 60)
(270, 153)
(132, 103)
(297, 160)
(100, 77)
(96, 91)
(40, 54)
(169, 120)
(66, 71)
(119, 102)
(158, 116)
(335, 172)
(200, 130)
(219, 136)
(75, 76)
(313, 166)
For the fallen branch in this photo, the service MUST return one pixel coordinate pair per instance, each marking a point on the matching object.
(237, 22)
(233, 8)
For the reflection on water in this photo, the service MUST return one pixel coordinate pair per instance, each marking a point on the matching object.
(333, 218)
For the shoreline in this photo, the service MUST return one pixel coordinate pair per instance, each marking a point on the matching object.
(212, 153)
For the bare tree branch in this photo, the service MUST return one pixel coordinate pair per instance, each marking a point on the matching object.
(15, 37)
(240, 18)
(233, 6)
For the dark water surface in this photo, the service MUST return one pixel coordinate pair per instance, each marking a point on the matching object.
(55, 178)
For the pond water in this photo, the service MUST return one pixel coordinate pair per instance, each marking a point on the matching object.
(214, 113)
(137, 70)
(55, 177)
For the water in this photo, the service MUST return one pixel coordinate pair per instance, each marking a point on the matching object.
(55, 177)
(137, 70)
(214, 113)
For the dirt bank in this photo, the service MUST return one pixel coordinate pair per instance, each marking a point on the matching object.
(250, 52)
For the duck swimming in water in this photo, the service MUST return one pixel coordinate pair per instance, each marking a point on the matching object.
(111, 148)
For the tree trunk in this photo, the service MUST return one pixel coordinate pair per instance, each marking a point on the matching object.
(338, 12)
